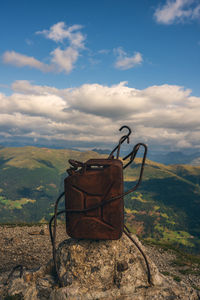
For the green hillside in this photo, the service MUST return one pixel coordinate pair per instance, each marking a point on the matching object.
(31, 179)
(165, 208)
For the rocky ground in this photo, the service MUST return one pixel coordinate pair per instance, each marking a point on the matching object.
(30, 246)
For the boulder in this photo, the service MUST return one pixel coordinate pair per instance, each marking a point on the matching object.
(99, 269)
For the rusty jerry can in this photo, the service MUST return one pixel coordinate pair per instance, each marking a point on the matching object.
(94, 194)
(89, 190)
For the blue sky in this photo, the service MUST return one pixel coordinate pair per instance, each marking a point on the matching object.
(73, 72)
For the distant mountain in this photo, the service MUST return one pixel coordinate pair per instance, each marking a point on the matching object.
(165, 208)
(176, 157)
(102, 151)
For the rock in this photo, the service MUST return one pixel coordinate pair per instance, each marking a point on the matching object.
(99, 270)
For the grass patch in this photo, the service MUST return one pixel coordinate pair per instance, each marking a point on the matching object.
(189, 271)
(16, 224)
(177, 278)
(178, 262)
(17, 204)
(172, 236)
(185, 271)
(14, 297)
(183, 258)
(166, 273)
(195, 287)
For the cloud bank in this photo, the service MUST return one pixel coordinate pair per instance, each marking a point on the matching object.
(166, 115)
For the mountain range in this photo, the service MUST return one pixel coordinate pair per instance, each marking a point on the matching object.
(164, 157)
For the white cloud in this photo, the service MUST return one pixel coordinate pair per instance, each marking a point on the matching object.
(177, 11)
(64, 59)
(21, 60)
(159, 115)
(125, 62)
(59, 32)
(60, 59)
(47, 106)
(25, 87)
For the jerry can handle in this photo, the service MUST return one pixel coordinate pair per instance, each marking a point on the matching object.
(121, 141)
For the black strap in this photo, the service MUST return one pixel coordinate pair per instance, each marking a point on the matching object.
(14, 269)
(127, 232)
